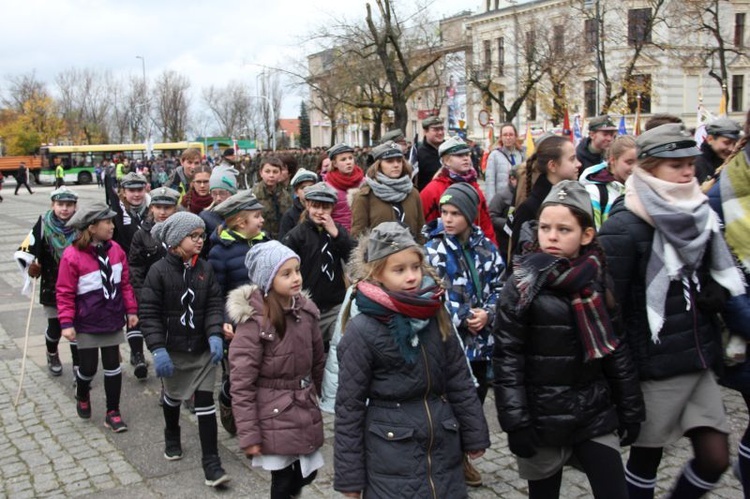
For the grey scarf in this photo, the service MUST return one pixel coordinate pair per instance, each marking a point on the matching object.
(686, 228)
(390, 190)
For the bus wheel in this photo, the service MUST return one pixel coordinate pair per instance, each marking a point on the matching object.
(84, 178)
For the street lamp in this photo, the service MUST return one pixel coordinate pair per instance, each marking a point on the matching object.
(143, 66)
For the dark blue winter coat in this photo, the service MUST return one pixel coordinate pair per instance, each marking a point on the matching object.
(227, 257)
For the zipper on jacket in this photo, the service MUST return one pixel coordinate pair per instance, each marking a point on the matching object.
(430, 426)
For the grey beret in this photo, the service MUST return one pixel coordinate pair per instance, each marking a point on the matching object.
(339, 149)
(386, 239)
(387, 150)
(263, 262)
(602, 123)
(724, 127)
(666, 141)
(464, 197)
(453, 145)
(303, 175)
(242, 201)
(90, 214)
(394, 135)
(133, 181)
(165, 196)
(177, 227)
(321, 192)
(63, 194)
(432, 121)
(570, 193)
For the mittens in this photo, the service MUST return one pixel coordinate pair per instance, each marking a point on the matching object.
(217, 348)
(628, 433)
(523, 442)
(163, 363)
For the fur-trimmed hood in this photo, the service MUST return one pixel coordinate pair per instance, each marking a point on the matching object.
(245, 302)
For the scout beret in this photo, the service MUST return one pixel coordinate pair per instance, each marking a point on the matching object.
(90, 214)
(339, 149)
(570, 193)
(453, 145)
(320, 192)
(724, 127)
(387, 150)
(666, 141)
(63, 194)
(242, 201)
(165, 196)
(133, 180)
(394, 135)
(432, 121)
(602, 123)
(386, 239)
(303, 175)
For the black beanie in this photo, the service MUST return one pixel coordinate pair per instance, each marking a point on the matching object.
(464, 197)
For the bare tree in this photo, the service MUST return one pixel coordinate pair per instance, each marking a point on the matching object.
(231, 106)
(171, 105)
(21, 89)
(85, 102)
(270, 94)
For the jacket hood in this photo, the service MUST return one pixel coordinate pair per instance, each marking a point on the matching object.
(246, 302)
(435, 230)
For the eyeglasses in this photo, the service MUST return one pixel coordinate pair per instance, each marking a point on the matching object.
(197, 237)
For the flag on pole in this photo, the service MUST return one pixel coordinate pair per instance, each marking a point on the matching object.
(529, 142)
(413, 157)
(637, 125)
(577, 134)
(622, 129)
(566, 130)
(701, 119)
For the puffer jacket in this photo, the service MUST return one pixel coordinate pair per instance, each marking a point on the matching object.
(432, 193)
(401, 428)
(163, 317)
(450, 258)
(291, 217)
(368, 211)
(227, 257)
(603, 193)
(308, 240)
(541, 379)
(80, 300)
(690, 340)
(144, 252)
(276, 381)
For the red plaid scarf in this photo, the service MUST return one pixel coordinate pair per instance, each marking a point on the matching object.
(576, 278)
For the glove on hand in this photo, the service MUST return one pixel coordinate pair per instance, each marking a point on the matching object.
(628, 433)
(163, 363)
(35, 269)
(523, 442)
(217, 348)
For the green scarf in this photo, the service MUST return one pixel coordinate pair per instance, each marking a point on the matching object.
(56, 234)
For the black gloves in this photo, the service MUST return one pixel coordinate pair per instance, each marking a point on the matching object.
(628, 433)
(523, 442)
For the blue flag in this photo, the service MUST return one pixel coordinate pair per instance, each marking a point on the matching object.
(622, 130)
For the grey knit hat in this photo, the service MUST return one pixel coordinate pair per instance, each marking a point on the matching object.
(177, 227)
(386, 239)
(570, 193)
(264, 260)
(464, 197)
(223, 177)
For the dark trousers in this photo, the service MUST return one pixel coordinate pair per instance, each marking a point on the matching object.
(20, 183)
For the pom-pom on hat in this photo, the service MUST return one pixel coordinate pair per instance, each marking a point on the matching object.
(263, 262)
(177, 227)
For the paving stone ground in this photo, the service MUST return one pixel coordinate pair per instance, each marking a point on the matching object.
(47, 451)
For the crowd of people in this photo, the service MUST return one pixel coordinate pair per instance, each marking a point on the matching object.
(588, 288)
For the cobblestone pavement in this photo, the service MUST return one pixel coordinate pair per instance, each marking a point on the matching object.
(47, 451)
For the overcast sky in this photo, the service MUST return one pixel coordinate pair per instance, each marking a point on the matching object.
(211, 42)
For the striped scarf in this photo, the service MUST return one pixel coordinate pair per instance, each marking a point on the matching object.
(735, 202)
(109, 288)
(188, 297)
(575, 278)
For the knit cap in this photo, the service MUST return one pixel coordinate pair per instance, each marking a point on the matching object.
(223, 177)
(177, 227)
(464, 197)
(263, 262)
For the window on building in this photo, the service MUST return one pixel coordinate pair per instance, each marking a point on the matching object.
(639, 85)
(591, 34)
(739, 30)
(738, 89)
(558, 40)
(487, 56)
(530, 45)
(531, 106)
(500, 56)
(639, 26)
(589, 97)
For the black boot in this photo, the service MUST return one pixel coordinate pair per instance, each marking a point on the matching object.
(172, 445)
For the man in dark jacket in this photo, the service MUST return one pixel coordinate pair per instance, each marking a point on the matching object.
(427, 153)
(722, 134)
(591, 151)
(22, 178)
